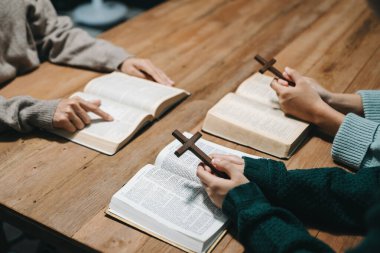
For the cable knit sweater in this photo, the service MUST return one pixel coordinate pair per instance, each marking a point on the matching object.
(263, 212)
(357, 143)
(31, 32)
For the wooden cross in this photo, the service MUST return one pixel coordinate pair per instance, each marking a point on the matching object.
(268, 65)
(189, 144)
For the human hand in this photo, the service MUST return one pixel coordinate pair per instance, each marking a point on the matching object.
(71, 114)
(304, 102)
(216, 187)
(144, 68)
(325, 94)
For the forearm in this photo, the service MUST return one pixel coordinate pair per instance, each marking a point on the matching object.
(260, 227)
(25, 113)
(346, 103)
(59, 42)
(327, 119)
(324, 196)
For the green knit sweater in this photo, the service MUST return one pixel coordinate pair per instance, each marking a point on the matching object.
(263, 212)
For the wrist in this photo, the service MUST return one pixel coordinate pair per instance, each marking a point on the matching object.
(328, 119)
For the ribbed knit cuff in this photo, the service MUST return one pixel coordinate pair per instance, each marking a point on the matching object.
(260, 170)
(371, 104)
(353, 139)
(242, 197)
(41, 113)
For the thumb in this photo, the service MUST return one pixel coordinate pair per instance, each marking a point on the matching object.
(294, 74)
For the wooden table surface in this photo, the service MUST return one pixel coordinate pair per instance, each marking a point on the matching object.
(208, 48)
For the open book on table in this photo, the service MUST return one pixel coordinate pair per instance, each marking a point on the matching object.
(132, 102)
(252, 117)
(167, 200)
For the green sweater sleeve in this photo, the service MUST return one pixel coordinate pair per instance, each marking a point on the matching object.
(371, 242)
(261, 227)
(328, 198)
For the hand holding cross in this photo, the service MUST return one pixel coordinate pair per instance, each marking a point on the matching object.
(268, 65)
(189, 144)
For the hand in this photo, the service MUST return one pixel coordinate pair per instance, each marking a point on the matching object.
(323, 93)
(216, 187)
(304, 102)
(341, 102)
(145, 69)
(71, 114)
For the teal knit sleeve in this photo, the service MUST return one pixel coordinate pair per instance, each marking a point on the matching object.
(261, 227)
(328, 198)
(357, 143)
(371, 104)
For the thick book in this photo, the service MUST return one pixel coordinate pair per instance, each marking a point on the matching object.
(133, 102)
(167, 200)
(252, 117)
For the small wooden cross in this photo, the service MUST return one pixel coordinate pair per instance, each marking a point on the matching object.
(189, 144)
(268, 65)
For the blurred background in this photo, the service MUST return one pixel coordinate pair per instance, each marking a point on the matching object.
(111, 12)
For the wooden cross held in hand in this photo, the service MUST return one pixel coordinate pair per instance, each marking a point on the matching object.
(189, 144)
(268, 65)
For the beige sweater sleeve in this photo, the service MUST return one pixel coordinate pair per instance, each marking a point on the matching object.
(59, 42)
(25, 113)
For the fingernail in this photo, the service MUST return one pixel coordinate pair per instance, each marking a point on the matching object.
(287, 69)
(215, 160)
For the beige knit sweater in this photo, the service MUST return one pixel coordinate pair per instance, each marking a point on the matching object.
(31, 32)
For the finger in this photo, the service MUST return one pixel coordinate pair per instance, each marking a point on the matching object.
(283, 83)
(135, 72)
(63, 122)
(294, 74)
(82, 114)
(68, 126)
(205, 167)
(206, 177)
(232, 158)
(278, 88)
(286, 75)
(96, 109)
(151, 70)
(163, 75)
(96, 102)
(75, 120)
(225, 166)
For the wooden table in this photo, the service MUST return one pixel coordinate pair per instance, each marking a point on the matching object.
(208, 47)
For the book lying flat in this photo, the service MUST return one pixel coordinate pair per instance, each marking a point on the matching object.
(167, 200)
(133, 102)
(252, 117)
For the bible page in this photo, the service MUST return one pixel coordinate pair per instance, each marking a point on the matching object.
(258, 118)
(257, 87)
(135, 92)
(101, 133)
(180, 204)
(186, 165)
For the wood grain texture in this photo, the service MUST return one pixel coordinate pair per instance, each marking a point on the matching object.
(208, 48)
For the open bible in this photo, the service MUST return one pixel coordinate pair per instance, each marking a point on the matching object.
(252, 117)
(132, 102)
(167, 200)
